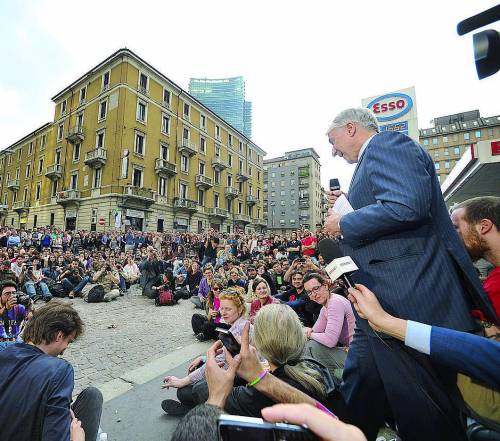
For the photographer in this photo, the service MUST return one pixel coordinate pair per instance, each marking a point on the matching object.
(73, 279)
(33, 279)
(6, 273)
(12, 314)
(109, 278)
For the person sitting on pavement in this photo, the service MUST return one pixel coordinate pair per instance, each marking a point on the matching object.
(204, 326)
(74, 279)
(333, 331)
(6, 273)
(235, 278)
(109, 278)
(193, 387)
(36, 386)
(263, 297)
(33, 279)
(204, 288)
(297, 298)
(131, 272)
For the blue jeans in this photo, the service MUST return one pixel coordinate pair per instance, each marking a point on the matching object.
(78, 288)
(207, 259)
(123, 284)
(31, 289)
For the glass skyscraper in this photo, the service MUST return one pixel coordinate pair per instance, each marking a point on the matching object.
(225, 97)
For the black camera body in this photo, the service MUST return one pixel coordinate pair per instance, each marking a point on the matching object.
(22, 299)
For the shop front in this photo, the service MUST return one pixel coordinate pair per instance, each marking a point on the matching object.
(135, 219)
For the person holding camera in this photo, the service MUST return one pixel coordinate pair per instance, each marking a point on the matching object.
(33, 279)
(109, 278)
(12, 314)
(73, 278)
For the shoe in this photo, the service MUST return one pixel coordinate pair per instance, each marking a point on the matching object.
(122, 292)
(47, 298)
(201, 337)
(36, 297)
(71, 295)
(174, 408)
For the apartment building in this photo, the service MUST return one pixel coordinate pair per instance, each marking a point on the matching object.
(451, 135)
(129, 147)
(292, 191)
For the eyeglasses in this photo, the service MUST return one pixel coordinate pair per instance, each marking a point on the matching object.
(215, 289)
(315, 290)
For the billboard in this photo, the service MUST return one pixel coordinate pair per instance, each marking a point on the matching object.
(395, 111)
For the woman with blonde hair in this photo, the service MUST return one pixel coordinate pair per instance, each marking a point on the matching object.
(193, 389)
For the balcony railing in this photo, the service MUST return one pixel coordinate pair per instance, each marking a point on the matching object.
(13, 184)
(231, 192)
(137, 192)
(303, 184)
(76, 134)
(241, 177)
(3, 208)
(68, 196)
(21, 205)
(96, 158)
(219, 163)
(242, 218)
(187, 147)
(218, 212)
(185, 204)
(162, 166)
(54, 171)
(251, 200)
(203, 181)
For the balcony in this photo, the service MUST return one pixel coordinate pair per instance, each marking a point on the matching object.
(261, 222)
(187, 147)
(231, 192)
(185, 204)
(13, 184)
(219, 164)
(241, 177)
(142, 196)
(165, 168)
(243, 218)
(304, 196)
(76, 134)
(303, 184)
(218, 212)
(304, 204)
(203, 182)
(251, 200)
(96, 158)
(54, 172)
(68, 197)
(21, 206)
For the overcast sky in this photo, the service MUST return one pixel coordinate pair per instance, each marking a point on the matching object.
(303, 62)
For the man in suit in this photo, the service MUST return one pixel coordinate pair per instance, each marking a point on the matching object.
(402, 239)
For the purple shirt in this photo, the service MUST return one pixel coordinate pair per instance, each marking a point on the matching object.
(335, 323)
(12, 318)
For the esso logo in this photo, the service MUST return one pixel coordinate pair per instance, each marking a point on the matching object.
(391, 106)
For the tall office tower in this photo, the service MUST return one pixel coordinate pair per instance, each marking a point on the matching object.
(226, 98)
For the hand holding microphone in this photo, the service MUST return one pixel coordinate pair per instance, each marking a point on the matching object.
(334, 193)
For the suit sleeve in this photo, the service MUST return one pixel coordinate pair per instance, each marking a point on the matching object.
(400, 184)
(57, 419)
(475, 356)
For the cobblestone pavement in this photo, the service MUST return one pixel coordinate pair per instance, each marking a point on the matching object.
(144, 332)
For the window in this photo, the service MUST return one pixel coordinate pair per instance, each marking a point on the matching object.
(203, 122)
(201, 168)
(54, 188)
(230, 139)
(28, 170)
(217, 177)
(185, 133)
(105, 81)
(76, 152)
(38, 191)
(230, 160)
(201, 197)
(240, 208)
(40, 166)
(240, 166)
(477, 133)
(216, 200)
(283, 203)
(99, 139)
(438, 166)
(186, 110)
(30, 148)
(166, 97)
(83, 94)
(43, 141)
(96, 183)
(446, 152)
(240, 146)
(240, 187)
(74, 181)
(292, 202)
(434, 141)
(139, 145)
(165, 124)
(282, 193)
(183, 190)
(217, 151)
(79, 121)
(19, 152)
(164, 152)
(447, 164)
(184, 164)
(162, 186)
(60, 131)
(217, 132)
(282, 183)
(466, 136)
(143, 83)
(292, 181)
(137, 177)
(25, 194)
(273, 193)
(63, 108)
(9, 162)
(203, 143)
(445, 139)
(103, 108)
(456, 150)
(141, 111)
(229, 180)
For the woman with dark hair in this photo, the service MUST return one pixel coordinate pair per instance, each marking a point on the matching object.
(193, 278)
(263, 297)
(264, 273)
(244, 254)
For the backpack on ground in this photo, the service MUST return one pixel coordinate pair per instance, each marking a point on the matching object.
(165, 298)
(57, 290)
(96, 294)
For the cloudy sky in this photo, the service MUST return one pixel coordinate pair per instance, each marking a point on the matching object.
(302, 61)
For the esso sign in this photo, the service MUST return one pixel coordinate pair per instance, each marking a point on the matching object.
(391, 106)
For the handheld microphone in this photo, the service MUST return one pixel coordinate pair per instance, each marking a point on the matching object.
(338, 266)
(334, 184)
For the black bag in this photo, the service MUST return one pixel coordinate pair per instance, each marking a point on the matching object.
(58, 290)
(198, 323)
(96, 294)
(182, 293)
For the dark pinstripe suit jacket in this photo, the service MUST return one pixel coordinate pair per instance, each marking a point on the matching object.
(403, 241)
